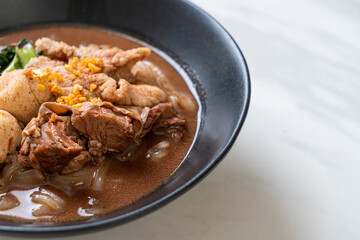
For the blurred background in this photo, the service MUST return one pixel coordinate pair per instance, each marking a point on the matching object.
(293, 172)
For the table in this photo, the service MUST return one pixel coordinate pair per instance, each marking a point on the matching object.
(293, 172)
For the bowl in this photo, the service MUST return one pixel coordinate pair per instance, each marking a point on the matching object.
(202, 49)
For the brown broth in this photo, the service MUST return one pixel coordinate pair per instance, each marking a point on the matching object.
(126, 181)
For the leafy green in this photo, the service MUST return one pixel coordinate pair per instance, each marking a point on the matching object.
(6, 54)
(15, 64)
(12, 58)
(25, 51)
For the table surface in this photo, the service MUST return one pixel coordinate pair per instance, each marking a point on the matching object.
(293, 172)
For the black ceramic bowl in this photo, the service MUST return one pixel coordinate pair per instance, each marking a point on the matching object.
(199, 44)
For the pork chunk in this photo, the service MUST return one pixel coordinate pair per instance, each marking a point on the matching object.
(115, 128)
(63, 138)
(43, 63)
(108, 89)
(163, 119)
(132, 95)
(117, 62)
(54, 49)
(49, 142)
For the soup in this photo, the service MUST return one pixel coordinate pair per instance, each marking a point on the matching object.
(104, 123)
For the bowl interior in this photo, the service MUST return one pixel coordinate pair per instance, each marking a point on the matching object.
(200, 46)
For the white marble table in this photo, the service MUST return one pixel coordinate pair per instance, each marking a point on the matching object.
(294, 172)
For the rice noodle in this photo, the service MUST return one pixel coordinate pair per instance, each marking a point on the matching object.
(10, 169)
(8, 201)
(99, 176)
(88, 212)
(68, 181)
(158, 151)
(94, 210)
(26, 179)
(50, 202)
(43, 210)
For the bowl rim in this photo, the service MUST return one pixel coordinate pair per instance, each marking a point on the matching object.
(107, 223)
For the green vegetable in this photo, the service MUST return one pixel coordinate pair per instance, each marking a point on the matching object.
(12, 58)
(6, 54)
(25, 51)
(15, 64)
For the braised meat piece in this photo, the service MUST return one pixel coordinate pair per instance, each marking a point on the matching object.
(55, 49)
(77, 162)
(101, 85)
(119, 93)
(163, 119)
(55, 148)
(128, 94)
(43, 63)
(113, 127)
(117, 62)
(63, 138)
(50, 142)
